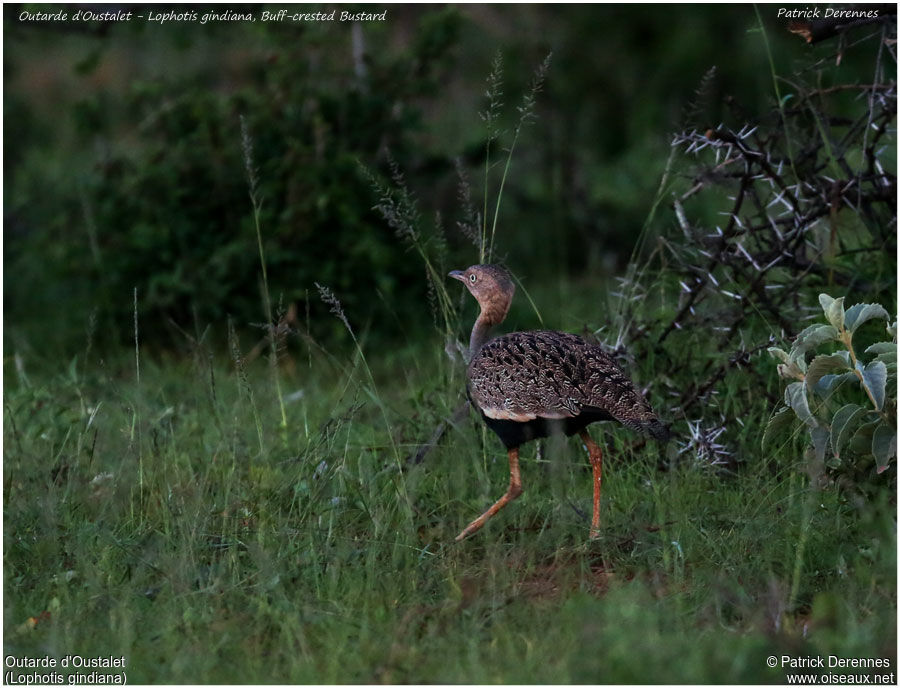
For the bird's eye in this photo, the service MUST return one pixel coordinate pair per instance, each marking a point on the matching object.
(472, 278)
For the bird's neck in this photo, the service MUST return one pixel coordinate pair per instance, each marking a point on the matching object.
(480, 331)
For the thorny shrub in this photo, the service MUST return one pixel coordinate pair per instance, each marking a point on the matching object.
(806, 197)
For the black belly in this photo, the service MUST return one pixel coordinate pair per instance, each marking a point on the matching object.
(513, 433)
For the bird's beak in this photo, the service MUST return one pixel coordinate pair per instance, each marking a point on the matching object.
(457, 274)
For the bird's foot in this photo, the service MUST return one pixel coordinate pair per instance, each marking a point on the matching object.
(473, 527)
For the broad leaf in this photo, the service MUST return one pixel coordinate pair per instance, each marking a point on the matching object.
(780, 421)
(884, 445)
(825, 301)
(886, 352)
(834, 310)
(806, 330)
(858, 314)
(889, 360)
(814, 335)
(843, 424)
(795, 397)
(798, 360)
(861, 442)
(880, 348)
(779, 354)
(787, 369)
(829, 383)
(789, 372)
(875, 379)
(824, 365)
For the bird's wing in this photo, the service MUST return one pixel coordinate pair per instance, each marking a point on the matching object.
(555, 375)
(528, 375)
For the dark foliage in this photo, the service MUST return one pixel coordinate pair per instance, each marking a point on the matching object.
(806, 204)
(167, 204)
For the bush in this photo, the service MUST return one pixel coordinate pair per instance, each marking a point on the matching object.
(779, 206)
(825, 392)
(167, 203)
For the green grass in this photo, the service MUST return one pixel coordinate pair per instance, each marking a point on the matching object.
(144, 519)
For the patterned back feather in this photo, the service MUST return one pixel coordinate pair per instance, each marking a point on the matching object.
(554, 375)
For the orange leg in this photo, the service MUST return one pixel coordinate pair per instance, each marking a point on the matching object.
(597, 465)
(514, 490)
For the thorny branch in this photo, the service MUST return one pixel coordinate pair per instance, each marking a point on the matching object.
(805, 200)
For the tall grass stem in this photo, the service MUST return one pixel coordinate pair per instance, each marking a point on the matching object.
(247, 142)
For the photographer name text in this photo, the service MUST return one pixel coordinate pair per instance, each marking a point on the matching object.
(825, 13)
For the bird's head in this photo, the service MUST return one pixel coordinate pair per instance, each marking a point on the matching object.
(492, 287)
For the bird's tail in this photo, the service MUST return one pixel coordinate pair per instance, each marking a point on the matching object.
(639, 416)
(658, 431)
(649, 426)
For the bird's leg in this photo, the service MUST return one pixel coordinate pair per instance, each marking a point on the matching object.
(513, 491)
(597, 465)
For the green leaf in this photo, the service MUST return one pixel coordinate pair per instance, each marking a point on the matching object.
(884, 445)
(824, 365)
(861, 442)
(886, 352)
(842, 425)
(778, 423)
(798, 360)
(814, 335)
(834, 310)
(856, 315)
(890, 361)
(806, 330)
(819, 436)
(779, 354)
(875, 379)
(828, 383)
(880, 348)
(788, 372)
(795, 397)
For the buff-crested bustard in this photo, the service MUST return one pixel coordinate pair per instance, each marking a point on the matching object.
(533, 384)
